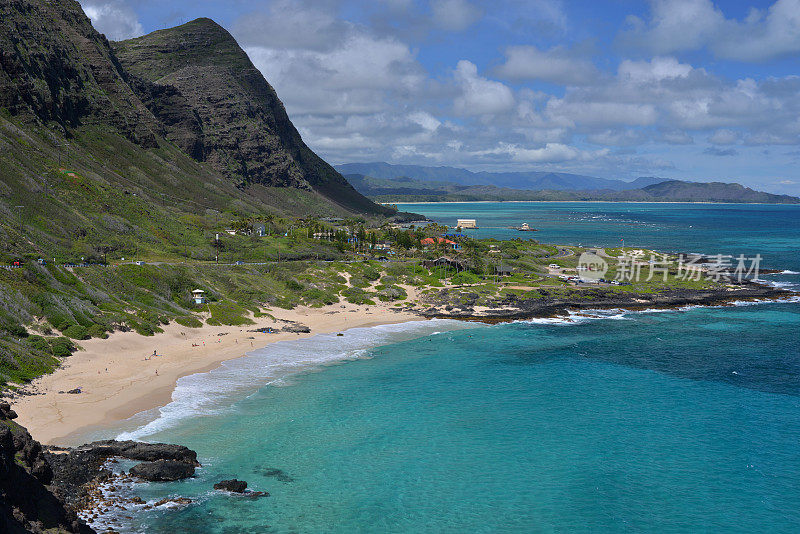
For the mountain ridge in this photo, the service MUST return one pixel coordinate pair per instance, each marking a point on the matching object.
(524, 180)
(242, 128)
(408, 189)
(97, 157)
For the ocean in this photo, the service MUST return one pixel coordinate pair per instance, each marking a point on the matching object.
(657, 421)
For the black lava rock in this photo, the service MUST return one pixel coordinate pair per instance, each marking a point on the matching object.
(235, 486)
(162, 470)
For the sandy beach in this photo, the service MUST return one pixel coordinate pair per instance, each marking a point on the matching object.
(118, 377)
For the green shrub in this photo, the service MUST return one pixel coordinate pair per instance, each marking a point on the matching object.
(97, 330)
(227, 312)
(13, 328)
(39, 343)
(391, 293)
(355, 295)
(465, 277)
(59, 320)
(62, 346)
(189, 321)
(76, 332)
(317, 297)
(145, 328)
(371, 274)
(294, 285)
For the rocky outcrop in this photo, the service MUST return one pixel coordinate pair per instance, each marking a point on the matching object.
(162, 470)
(236, 486)
(239, 487)
(447, 303)
(137, 450)
(75, 468)
(27, 504)
(296, 328)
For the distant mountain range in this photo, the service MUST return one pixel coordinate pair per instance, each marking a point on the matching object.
(431, 184)
(527, 180)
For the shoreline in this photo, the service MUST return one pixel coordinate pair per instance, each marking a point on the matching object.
(513, 309)
(117, 382)
(596, 202)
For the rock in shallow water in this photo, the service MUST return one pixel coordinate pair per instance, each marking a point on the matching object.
(163, 470)
(236, 486)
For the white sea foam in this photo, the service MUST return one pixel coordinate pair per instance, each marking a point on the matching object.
(215, 391)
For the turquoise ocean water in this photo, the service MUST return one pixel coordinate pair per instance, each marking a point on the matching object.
(660, 421)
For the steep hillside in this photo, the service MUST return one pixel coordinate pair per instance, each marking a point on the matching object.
(242, 130)
(55, 68)
(96, 159)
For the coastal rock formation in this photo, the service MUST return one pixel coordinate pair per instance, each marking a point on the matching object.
(511, 306)
(27, 504)
(75, 468)
(296, 328)
(239, 487)
(162, 470)
(233, 485)
(137, 450)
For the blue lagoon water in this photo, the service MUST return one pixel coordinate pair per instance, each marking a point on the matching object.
(660, 421)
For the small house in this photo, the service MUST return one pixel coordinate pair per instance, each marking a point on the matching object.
(444, 261)
(260, 229)
(504, 270)
(466, 223)
(439, 240)
(199, 296)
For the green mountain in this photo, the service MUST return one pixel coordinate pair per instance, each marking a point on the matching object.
(680, 191)
(525, 180)
(405, 189)
(99, 153)
(235, 121)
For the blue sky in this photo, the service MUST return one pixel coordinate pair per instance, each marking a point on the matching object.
(686, 89)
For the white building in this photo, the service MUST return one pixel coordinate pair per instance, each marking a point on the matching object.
(199, 296)
(466, 223)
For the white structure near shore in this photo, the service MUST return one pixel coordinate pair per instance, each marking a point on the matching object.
(466, 223)
(199, 296)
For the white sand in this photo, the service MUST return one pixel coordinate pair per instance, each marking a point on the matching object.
(117, 381)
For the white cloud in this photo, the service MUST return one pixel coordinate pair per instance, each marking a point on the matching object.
(480, 96)
(675, 137)
(426, 120)
(725, 137)
(288, 25)
(685, 25)
(555, 65)
(655, 70)
(114, 18)
(618, 137)
(357, 76)
(455, 15)
(601, 113)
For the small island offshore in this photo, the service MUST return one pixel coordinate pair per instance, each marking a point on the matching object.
(160, 214)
